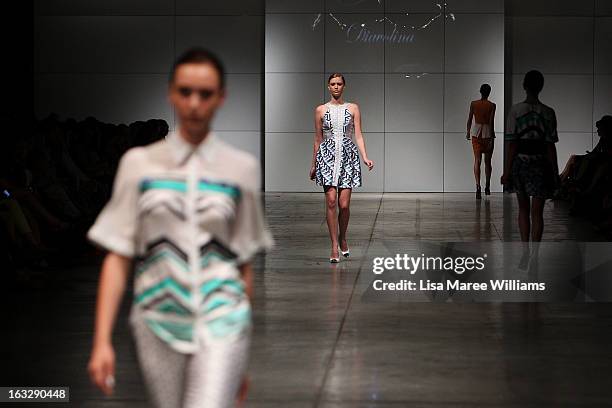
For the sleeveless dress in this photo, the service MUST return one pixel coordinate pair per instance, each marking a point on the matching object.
(337, 161)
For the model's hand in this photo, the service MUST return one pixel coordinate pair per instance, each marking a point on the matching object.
(312, 173)
(243, 391)
(101, 368)
(369, 163)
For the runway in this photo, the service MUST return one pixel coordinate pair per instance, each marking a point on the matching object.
(317, 344)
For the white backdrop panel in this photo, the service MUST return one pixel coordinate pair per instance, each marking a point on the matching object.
(413, 104)
(475, 43)
(413, 162)
(242, 108)
(291, 100)
(288, 160)
(292, 45)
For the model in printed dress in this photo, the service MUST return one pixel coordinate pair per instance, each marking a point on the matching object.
(336, 160)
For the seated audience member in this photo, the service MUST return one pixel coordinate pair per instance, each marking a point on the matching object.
(588, 178)
(578, 165)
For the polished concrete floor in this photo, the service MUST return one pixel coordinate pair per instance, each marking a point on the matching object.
(318, 344)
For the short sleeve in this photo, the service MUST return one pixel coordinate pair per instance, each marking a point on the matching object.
(115, 226)
(250, 234)
(510, 133)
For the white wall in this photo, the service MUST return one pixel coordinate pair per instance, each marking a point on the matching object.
(414, 124)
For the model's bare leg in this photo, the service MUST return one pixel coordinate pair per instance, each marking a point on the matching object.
(332, 221)
(537, 219)
(488, 169)
(477, 161)
(344, 215)
(523, 218)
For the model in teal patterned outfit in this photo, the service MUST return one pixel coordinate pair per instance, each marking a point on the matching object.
(186, 212)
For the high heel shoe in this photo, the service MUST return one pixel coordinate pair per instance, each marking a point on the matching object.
(346, 253)
(487, 191)
(334, 259)
(478, 193)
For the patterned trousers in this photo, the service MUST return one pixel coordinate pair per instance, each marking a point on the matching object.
(209, 378)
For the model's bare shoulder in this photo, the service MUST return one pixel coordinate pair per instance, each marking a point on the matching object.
(353, 107)
(319, 112)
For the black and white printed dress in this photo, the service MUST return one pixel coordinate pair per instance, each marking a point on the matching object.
(338, 162)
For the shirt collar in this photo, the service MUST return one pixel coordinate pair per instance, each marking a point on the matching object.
(182, 150)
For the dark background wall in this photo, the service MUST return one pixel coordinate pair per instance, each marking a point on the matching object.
(111, 59)
(570, 42)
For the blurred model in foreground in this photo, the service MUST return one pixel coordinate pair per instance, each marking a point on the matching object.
(185, 213)
(335, 160)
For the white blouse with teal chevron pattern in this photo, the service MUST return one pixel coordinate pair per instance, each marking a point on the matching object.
(188, 217)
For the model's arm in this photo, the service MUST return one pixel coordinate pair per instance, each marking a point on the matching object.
(492, 121)
(510, 155)
(359, 138)
(318, 138)
(113, 280)
(551, 151)
(469, 122)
